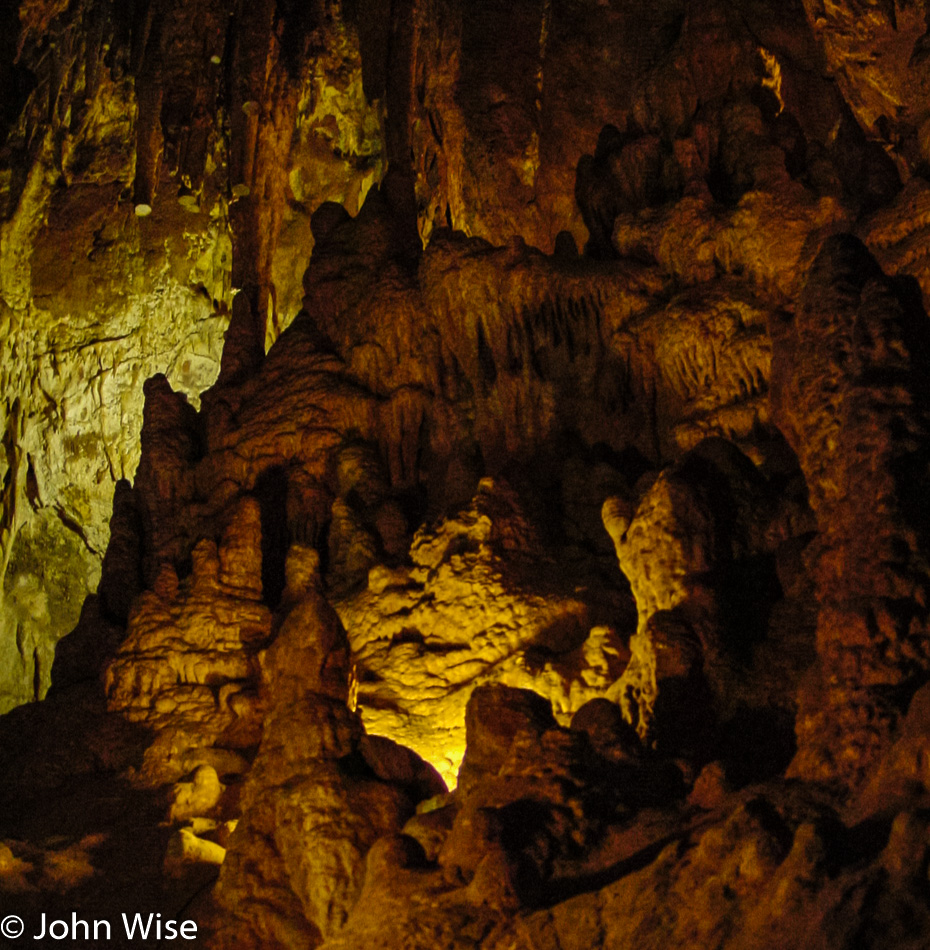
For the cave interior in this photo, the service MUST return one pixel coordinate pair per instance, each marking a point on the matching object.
(466, 474)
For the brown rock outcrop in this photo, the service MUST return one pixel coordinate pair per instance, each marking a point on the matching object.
(136, 149)
(880, 65)
(855, 410)
(365, 669)
(296, 859)
(189, 664)
(681, 548)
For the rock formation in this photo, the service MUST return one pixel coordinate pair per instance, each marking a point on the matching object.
(465, 472)
(127, 156)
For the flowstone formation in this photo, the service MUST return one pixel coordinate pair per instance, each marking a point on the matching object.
(543, 561)
(480, 604)
(132, 139)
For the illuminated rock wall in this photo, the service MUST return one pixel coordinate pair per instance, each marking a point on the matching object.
(130, 139)
(541, 560)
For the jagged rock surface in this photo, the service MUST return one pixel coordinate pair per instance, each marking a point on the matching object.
(126, 164)
(855, 407)
(590, 474)
(480, 604)
(296, 860)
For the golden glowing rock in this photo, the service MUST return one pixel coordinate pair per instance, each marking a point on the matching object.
(470, 611)
(197, 798)
(304, 556)
(99, 292)
(186, 847)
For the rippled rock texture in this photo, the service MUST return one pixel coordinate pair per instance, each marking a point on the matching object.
(541, 557)
(131, 141)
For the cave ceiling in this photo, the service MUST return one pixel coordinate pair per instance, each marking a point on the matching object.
(465, 471)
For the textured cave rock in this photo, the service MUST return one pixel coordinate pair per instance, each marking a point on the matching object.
(127, 202)
(856, 409)
(296, 860)
(190, 654)
(481, 603)
(681, 549)
(166, 109)
(500, 436)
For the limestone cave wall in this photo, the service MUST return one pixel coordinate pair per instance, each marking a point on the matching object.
(466, 471)
(129, 149)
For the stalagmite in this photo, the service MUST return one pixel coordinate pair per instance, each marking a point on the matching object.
(464, 473)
